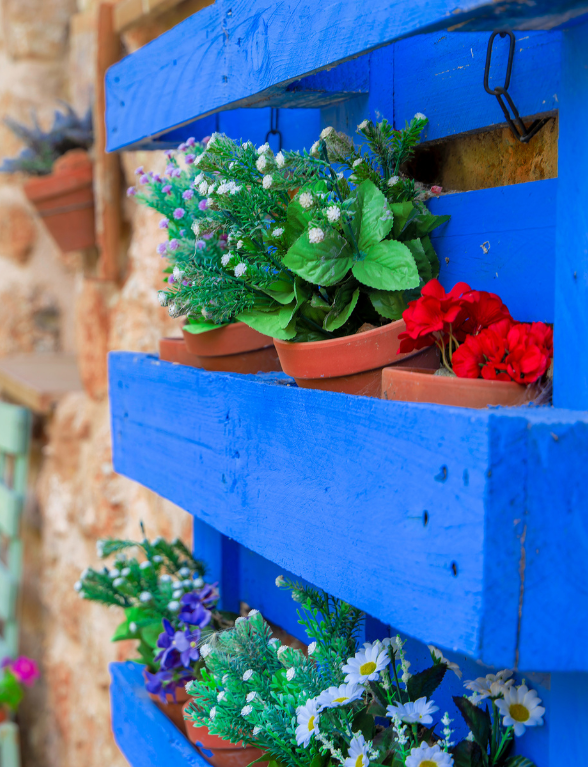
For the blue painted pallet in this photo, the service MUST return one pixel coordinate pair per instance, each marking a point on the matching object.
(335, 489)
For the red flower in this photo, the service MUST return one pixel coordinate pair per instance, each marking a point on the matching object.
(483, 309)
(481, 355)
(468, 358)
(531, 350)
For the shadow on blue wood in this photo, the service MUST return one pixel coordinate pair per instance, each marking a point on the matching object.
(334, 488)
(143, 733)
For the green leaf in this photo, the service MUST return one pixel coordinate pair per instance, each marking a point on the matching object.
(269, 323)
(322, 263)
(150, 634)
(373, 218)
(196, 326)
(11, 691)
(363, 722)
(314, 313)
(420, 223)
(519, 761)
(421, 259)
(426, 682)
(401, 211)
(389, 304)
(431, 255)
(389, 265)
(467, 754)
(476, 719)
(281, 291)
(297, 220)
(340, 313)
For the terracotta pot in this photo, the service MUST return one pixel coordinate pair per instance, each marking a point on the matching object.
(352, 364)
(3, 714)
(173, 709)
(219, 752)
(418, 385)
(235, 348)
(65, 200)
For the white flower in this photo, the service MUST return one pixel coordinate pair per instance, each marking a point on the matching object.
(240, 270)
(178, 594)
(239, 244)
(311, 648)
(118, 582)
(198, 582)
(247, 675)
(438, 655)
(393, 180)
(281, 650)
(199, 178)
(162, 298)
(315, 235)
(145, 596)
(256, 730)
(114, 573)
(290, 674)
(198, 160)
(267, 181)
(420, 116)
(100, 547)
(246, 710)
(221, 696)
(225, 259)
(358, 754)
(223, 188)
(339, 696)
(133, 627)
(274, 642)
(212, 712)
(184, 572)
(203, 189)
(490, 686)
(173, 606)
(357, 162)
(252, 613)
(225, 678)
(261, 163)
(144, 565)
(263, 149)
(165, 578)
(428, 756)
(205, 650)
(280, 160)
(333, 213)
(366, 665)
(78, 586)
(240, 619)
(520, 709)
(305, 200)
(279, 580)
(196, 228)
(314, 148)
(418, 712)
(278, 231)
(251, 696)
(158, 559)
(363, 125)
(215, 136)
(308, 718)
(326, 132)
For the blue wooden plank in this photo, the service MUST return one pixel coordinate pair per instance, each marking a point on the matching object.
(568, 717)
(238, 53)
(334, 489)
(143, 733)
(571, 281)
(502, 240)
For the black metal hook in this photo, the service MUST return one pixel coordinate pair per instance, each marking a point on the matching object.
(274, 130)
(517, 126)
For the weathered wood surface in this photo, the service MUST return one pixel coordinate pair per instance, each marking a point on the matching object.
(252, 55)
(334, 489)
(39, 381)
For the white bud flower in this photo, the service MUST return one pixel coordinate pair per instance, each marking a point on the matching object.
(173, 606)
(203, 189)
(118, 582)
(290, 674)
(198, 582)
(420, 116)
(261, 163)
(196, 227)
(311, 648)
(256, 730)
(393, 180)
(305, 200)
(240, 270)
(212, 712)
(247, 675)
(274, 642)
(357, 162)
(221, 696)
(246, 710)
(114, 573)
(178, 594)
(263, 148)
(281, 650)
(280, 160)
(267, 181)
(162, 298)
(278, 231)
(333, 214)
(280, 581)
(314, 149)
(145, 596)
(144, 565)
(157, 559)
(184, 572)
(315, 235)
(363, 125)
(78, 586)
(239, 244)
(251, 613)
(225, 259)
(199, 178)
(165, 578)
(205, 650)
(251, 696)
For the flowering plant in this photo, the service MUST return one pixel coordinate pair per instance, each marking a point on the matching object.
(312, 254)
(15, 673)
(168, 607)
(476, 335)
(350, 705)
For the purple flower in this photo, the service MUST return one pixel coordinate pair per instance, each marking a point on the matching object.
(179, 213)
(171, 279)
(139, 171)
(194, 604)
(174, 244)
(166, 189)
(131, 191)
(190, 159)
(157, 177)
(169, 170)
(200, 244)
(155, 684)
(187, 644)
(182, 148)
(164, 223)
(185, 282)
(188, 194)
(208, 236)
(203, 205)
(182, 232)
(168, 153)
(223, 244)
(191, 141)
(176, 173)
(161, 248)
(205, 140)
(144, 179)
(178, 648)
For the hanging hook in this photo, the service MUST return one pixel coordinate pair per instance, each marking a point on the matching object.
(515, 122)
(274, 130)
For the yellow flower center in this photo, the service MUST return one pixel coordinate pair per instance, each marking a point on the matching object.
(367, 668)
(518, 712)
(311, 724)
(428, 763)
(340, 700)
(193, 644)
(359, 761)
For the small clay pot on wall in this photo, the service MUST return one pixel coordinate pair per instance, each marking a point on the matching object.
(65, 200)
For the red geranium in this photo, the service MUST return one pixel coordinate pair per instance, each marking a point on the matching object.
(530, 351)
(483, 309)
(481, 355)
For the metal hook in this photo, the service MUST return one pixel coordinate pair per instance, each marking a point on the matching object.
(517, 126)
(274, 130)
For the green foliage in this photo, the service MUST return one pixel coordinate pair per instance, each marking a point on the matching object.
(426, 682)
(477, 720)
(11, 692)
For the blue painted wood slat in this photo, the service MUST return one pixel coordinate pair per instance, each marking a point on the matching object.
(243, 50)
(334, 488)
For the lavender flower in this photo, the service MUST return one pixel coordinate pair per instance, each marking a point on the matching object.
(194, 613)
(190, 159)
(162, 248)
(144, 179)
(164, 223)
(131, 191)
(176, 173)
(139, 171)
(188, 194)
(166, 189)
(200, 244)
(168, 153)
(169, 169)
(203, 205)
(191, 141)
(179, 213)
(174, 244)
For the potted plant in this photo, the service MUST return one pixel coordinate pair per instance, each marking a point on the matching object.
(345, 704)
(321, 262)
(193, 262)
(61, 188)
(168, 608)
(15, 674)
(487, 358)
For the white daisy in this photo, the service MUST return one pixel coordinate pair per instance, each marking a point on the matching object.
(308, 718)
(491, 685)
(278, 231)
(339, 696)
(225, 259)
(358, 754)
(290, 674)
(333, 213)
(280, 160)
(315, 235)
(418, 712)
(520, 709)
(240, 270)
(367, 664)
(428, 756)
(267, 181)
(247, 675)
(305, 200)
(438, 655)
(420, 116)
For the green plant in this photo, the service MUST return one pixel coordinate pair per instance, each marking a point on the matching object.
(42, 148)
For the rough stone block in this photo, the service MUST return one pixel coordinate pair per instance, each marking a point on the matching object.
(18, 232)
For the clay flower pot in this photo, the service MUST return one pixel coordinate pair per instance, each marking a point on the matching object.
(352, 364)
(219, 752)
(173, 709)
(235, 348)
(65, 200)
(418, 385)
